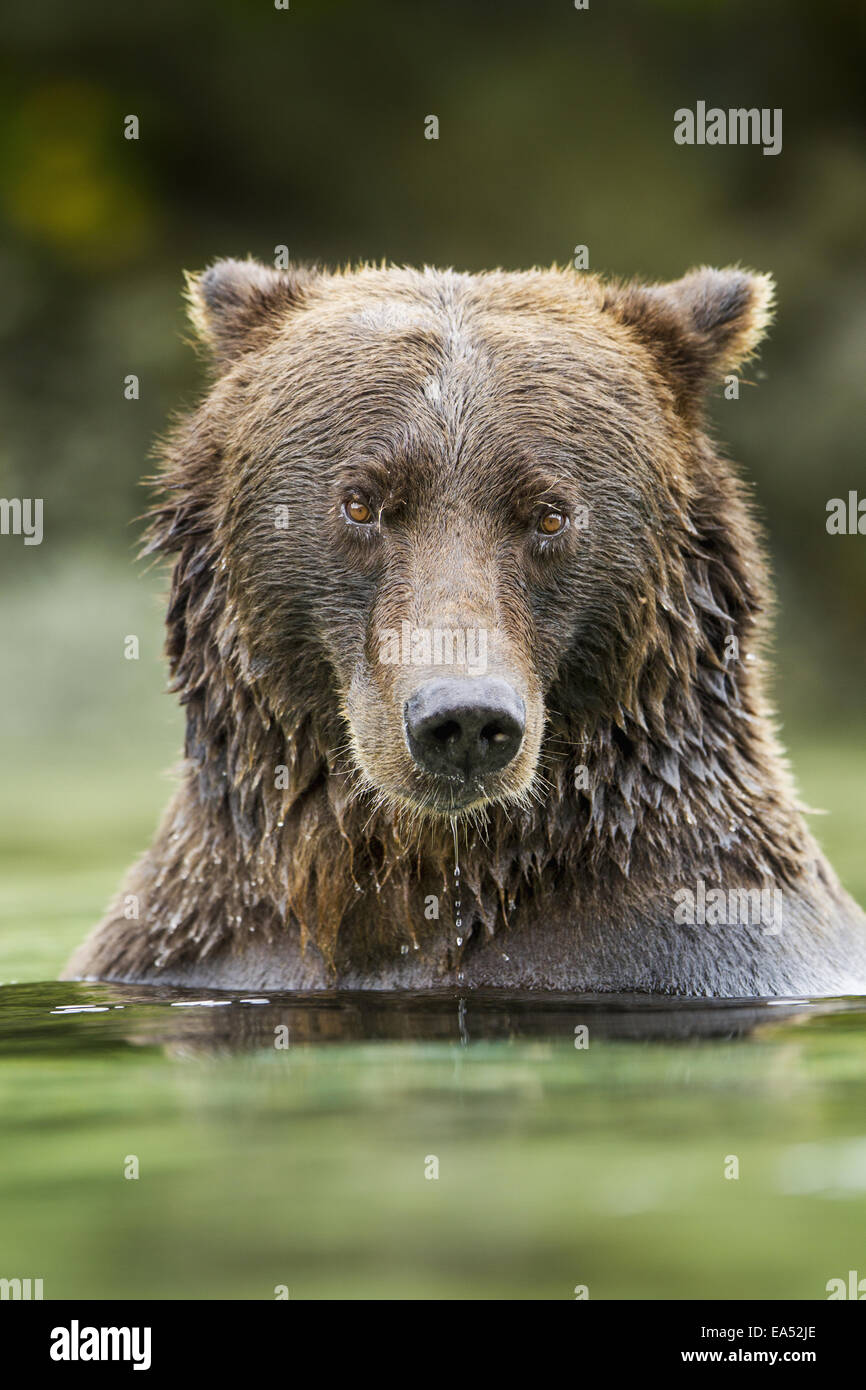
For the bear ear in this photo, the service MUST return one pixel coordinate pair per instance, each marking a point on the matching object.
(700, 327)
(234, 304)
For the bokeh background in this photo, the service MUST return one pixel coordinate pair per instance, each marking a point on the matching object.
(305, 127)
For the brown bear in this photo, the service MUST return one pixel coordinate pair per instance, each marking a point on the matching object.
(467, 614)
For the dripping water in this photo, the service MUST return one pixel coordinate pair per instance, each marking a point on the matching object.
(458, 916)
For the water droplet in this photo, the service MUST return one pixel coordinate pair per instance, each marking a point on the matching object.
(458, 908)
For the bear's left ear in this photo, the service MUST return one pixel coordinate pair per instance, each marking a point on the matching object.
(700, 327)
(233, 305)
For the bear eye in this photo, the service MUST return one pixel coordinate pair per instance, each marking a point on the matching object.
(355, 509)
(552, 523)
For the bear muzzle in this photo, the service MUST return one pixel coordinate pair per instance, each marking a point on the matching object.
(464, 729)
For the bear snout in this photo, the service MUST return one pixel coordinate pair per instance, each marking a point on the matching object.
(464, 728)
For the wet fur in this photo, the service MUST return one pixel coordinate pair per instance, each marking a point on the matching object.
(325, 882)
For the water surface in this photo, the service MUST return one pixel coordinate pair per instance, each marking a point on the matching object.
(286, 1141)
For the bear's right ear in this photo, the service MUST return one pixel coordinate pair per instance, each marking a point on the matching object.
(233, 305)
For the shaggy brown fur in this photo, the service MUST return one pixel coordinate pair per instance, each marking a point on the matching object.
(305, 848)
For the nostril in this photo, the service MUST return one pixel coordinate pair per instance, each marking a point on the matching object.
(494, 733)
(443, 733)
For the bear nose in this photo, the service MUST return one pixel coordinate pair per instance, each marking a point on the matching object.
(464, 728)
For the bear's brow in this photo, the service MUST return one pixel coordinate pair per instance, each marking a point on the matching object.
(531, 481)
(369, 475)
(391, 480)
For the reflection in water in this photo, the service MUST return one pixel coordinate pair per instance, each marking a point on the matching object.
(228, 1022)
(284, 1141)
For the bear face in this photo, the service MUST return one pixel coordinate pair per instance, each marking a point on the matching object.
(485, 483)
(457, 572)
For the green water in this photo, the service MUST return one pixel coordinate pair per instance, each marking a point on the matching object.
(304, 1166)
